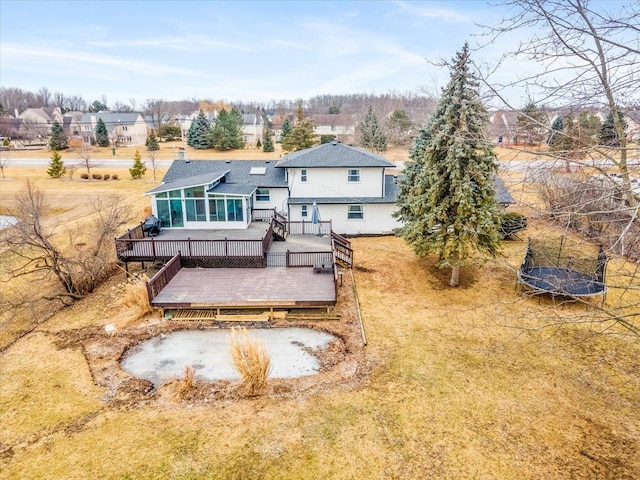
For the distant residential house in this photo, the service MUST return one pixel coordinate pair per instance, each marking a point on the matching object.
(125, 129)
(36, 122)
(252, 127)
(9, 126)
(71, 123)
(503, 127)
(342, 126)
(632, 117)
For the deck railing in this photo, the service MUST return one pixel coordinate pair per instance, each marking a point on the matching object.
(298, 259)
(262, 214)
(151, 249)
(163, 277)
(342, 250)
(309, 228)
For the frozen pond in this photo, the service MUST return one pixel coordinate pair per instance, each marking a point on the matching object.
(6, 221)
(163, 357)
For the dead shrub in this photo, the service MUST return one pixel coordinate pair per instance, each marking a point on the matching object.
(183, 386)
(251, 359)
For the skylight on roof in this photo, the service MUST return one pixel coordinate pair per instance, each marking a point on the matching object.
(258, 170)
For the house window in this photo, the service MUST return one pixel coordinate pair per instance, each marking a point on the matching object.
(195, 210)
(234, 209)
(353, 176)
(303, 175)
(304, 211)
(262, 195)
(355, 212)
(124, 128)
(217, 210)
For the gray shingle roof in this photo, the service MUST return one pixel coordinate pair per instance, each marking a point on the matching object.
(239, 172)
(333, 154)
(193, 181)
(502, 194)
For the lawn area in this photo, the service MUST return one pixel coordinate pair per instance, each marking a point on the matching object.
(477, 382)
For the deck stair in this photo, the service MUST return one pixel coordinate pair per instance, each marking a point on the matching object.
(189, 315)
(313, 317)
(279, 227)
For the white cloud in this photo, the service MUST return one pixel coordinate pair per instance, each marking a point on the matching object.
(426, 10)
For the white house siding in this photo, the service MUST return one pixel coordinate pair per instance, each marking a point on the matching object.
(377, 219)
(277, 199)
(333, 182)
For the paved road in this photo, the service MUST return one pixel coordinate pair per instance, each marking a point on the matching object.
(99, 162)
(522, 166)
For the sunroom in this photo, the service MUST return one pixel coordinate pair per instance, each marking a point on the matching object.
(203, 202)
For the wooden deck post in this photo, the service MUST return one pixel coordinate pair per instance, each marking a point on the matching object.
(189, 243)
(153, 248)
(287, 259)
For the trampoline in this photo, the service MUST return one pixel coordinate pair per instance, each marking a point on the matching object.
(550, 267)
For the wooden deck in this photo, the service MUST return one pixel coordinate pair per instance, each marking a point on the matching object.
(247, 287)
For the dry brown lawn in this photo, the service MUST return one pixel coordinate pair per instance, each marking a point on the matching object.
(476, 382)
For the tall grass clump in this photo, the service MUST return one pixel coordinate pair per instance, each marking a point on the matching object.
(185, 385)
(251, 359)
(134, 296)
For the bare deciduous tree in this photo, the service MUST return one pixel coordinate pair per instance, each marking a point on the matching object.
(85, 156)
(589, 57)
(78, 261)
(152, 155)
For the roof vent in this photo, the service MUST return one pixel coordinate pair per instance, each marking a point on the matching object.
(182, 155)
(334, 143)
(228, 161)
(268, 161)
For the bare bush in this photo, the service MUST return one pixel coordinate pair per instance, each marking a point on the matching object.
(182, 387)
(596, 207)
(251, 359)
(79, 260)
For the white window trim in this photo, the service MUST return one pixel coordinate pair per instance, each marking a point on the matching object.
(304, 211)
(361, 206)
(357, 170)
(304, 175)
(268, 195)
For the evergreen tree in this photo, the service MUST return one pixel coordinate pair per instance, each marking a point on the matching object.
(532, 124)
(371, 135)
(556, 128)
(267, 135)
(199, 132)
(398, 126)
(152, 142)
(333, 108)
(227, 133)
(420, 144)
(58, 139)
(138, 169)
(286, 129)
(98, 106)
(301, 136)
(447, 201)
(608, 133)
(102, 136)
(56, 166)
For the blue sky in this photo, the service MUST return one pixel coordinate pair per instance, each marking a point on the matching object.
(234, 50)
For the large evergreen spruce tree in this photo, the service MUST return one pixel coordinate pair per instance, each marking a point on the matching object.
(199, 133)
(58, 139)
(447, 201)
(372, 136)
(102, 136)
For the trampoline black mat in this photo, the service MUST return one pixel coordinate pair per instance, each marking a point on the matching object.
(561, 281)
